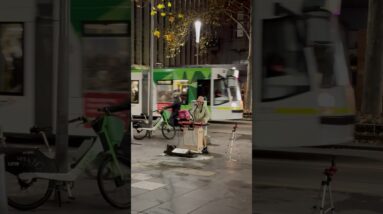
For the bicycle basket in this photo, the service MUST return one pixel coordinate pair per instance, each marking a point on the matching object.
(115, 129)
(184, 115)
(166, 115)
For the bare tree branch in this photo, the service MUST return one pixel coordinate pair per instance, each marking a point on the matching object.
(242, 5)
(240, 24)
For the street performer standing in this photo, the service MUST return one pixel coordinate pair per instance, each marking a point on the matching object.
(201, 114)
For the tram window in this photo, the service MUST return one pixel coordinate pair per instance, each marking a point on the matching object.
(203, 89)
(135, 91)
(105, 56)
(182, 86)
(220, 92)
(11, 59)
(234, 89)
(106, 28)
(164, 91)
(235, 93)
(324, 55)
(284, 66)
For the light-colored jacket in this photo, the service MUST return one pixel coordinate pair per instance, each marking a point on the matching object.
(200, 113)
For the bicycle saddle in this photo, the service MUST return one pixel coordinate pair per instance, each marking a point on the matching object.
(36, 129)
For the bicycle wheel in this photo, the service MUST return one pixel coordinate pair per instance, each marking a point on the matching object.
(114, 184)
(28, 194)
(168, 131)
(139, 133)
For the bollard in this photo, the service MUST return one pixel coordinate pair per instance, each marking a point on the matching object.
(3, 195)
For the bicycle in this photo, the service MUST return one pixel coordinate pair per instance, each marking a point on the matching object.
(162, 122)
(34, 169)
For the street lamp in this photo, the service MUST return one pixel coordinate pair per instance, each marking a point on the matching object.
(197, 25)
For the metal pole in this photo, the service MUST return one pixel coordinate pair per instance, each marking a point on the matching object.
(151, 67)
(3, 195)
(62, 89)
(197, 53)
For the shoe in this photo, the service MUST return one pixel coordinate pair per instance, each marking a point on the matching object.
(205, 151)
(169, 149)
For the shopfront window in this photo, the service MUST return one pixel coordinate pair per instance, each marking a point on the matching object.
(11, 59)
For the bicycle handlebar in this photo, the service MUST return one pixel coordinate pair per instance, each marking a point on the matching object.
(83, 119)
(36, 129)
(104, 110)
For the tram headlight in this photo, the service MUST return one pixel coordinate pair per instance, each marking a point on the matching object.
(326, 100)
(326, 103)
(236, 73)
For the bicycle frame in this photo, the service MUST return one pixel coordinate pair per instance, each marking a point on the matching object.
(75, 172)
(110, 131)
(157, 124)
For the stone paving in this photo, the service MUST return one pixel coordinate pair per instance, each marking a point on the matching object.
(162, 184)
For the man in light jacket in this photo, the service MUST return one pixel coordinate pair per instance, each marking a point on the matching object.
(201, 114)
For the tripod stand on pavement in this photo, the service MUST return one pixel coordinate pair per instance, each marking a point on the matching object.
(326, 188)
(233, 138)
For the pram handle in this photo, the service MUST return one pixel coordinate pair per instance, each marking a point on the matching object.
(187, 123)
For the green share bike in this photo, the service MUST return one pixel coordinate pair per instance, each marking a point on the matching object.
(32, 176)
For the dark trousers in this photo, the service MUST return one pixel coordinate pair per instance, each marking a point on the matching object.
(125, 145)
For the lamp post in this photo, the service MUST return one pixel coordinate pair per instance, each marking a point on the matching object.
(62, 86)
(150, 78)
(197, 25)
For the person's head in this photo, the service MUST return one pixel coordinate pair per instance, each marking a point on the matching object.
(183, 97)
(200, 100)
(176, 96)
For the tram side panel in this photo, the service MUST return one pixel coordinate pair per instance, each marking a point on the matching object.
(221, 91)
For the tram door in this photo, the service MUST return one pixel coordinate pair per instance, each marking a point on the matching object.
(204, 89)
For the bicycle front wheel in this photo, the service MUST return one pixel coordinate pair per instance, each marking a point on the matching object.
(114, 181)
(168, 131)
(27, 194)
(139, 133)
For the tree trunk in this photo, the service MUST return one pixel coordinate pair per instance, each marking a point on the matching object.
(248, 99)
(372, 92)
(248, 92)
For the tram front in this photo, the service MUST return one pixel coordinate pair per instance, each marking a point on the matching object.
(303, 91)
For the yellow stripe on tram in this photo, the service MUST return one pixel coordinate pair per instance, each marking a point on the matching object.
(313, 111)
(227, 108)
(305, 111)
